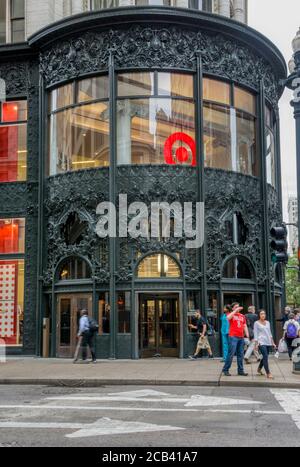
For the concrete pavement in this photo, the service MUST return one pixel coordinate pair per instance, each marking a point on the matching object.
(167, 372)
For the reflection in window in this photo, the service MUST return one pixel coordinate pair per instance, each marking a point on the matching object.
(158, 129)
(270, 149)
(13, 142)
(104, 313)
(93, 89)
(158, 266)
(236, 229)
(135, 84)
(216, 91)
(124, 310)
(230, 139)
(12, 302)
(146, 126)
(212, 312)
(237, 268)
(74, 269)
(74, 230)
(12, 236)
(79, 138)
(193, 303)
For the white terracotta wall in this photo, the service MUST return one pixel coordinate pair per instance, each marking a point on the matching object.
(40, 13)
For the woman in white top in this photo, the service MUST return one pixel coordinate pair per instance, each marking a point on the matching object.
(264, 341)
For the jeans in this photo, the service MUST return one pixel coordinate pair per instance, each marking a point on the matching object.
(289, 341)
(264, 349)
(236, 346)
(225, 344)
(251, 350)
(88, 341)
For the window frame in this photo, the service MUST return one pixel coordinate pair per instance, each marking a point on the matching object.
(17, 123)
(17, 257)
(12, 19)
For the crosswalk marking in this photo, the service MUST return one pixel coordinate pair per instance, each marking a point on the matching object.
(290, 402)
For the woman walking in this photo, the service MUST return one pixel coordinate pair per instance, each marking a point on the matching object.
(264, 341)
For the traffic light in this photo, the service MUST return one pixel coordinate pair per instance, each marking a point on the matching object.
(279, 244)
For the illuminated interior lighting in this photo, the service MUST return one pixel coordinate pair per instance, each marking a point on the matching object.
(83, 162)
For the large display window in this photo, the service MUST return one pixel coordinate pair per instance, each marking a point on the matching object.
(13, 141)
(12, 242)
(155, 119)
(230, 140)
(79, 126)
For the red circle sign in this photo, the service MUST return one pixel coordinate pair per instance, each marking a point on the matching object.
(181, 154)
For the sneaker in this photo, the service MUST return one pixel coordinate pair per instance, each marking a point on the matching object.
(94, 361)
(243, 374)
(226, 373)
(192, 357)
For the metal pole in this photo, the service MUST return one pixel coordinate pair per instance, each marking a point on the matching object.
(112, 198)
(297, 120)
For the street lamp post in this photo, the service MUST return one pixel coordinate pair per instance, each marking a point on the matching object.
(293, 82)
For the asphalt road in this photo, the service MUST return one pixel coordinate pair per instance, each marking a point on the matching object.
(148, 417)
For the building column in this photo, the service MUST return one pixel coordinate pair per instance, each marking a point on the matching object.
(77, 6)
(239, 10)
(124, 118)
(224, 8)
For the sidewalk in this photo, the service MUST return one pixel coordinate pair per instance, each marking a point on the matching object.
(32, 371)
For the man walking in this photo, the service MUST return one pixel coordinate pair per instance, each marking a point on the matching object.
(251, 318)
(238, 330)
(291, 332)
(87, 336)
(203, 343)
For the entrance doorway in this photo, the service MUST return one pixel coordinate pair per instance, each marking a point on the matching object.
(68, 315)
(244, 299)
(159, 325)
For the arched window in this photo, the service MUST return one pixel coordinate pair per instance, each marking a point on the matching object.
(158, 266)
(237, 268)
(74, 269)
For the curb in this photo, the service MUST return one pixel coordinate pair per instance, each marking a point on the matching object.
(94, 383)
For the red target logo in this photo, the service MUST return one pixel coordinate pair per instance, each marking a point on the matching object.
(184, 154)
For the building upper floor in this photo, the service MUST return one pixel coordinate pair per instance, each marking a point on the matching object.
(19, 19)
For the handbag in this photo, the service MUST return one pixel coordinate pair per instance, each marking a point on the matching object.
(282, 348)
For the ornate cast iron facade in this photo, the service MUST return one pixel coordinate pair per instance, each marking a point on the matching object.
(89, 47)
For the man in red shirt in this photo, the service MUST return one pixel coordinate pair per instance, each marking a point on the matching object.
(237, 332)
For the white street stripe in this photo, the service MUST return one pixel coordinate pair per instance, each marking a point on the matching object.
(134, 409)
(192, 401)
(290, 402)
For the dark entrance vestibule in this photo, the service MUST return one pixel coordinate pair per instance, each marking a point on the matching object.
(159, 325)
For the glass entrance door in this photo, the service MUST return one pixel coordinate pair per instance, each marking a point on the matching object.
(159, 326)
(68, 315)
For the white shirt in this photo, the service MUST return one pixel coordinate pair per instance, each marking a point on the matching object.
(263, 334)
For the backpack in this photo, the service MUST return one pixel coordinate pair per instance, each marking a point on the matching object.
(94, 327)
(291, 332)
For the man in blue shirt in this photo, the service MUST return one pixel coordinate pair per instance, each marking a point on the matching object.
(225, 331)
(87, 336)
